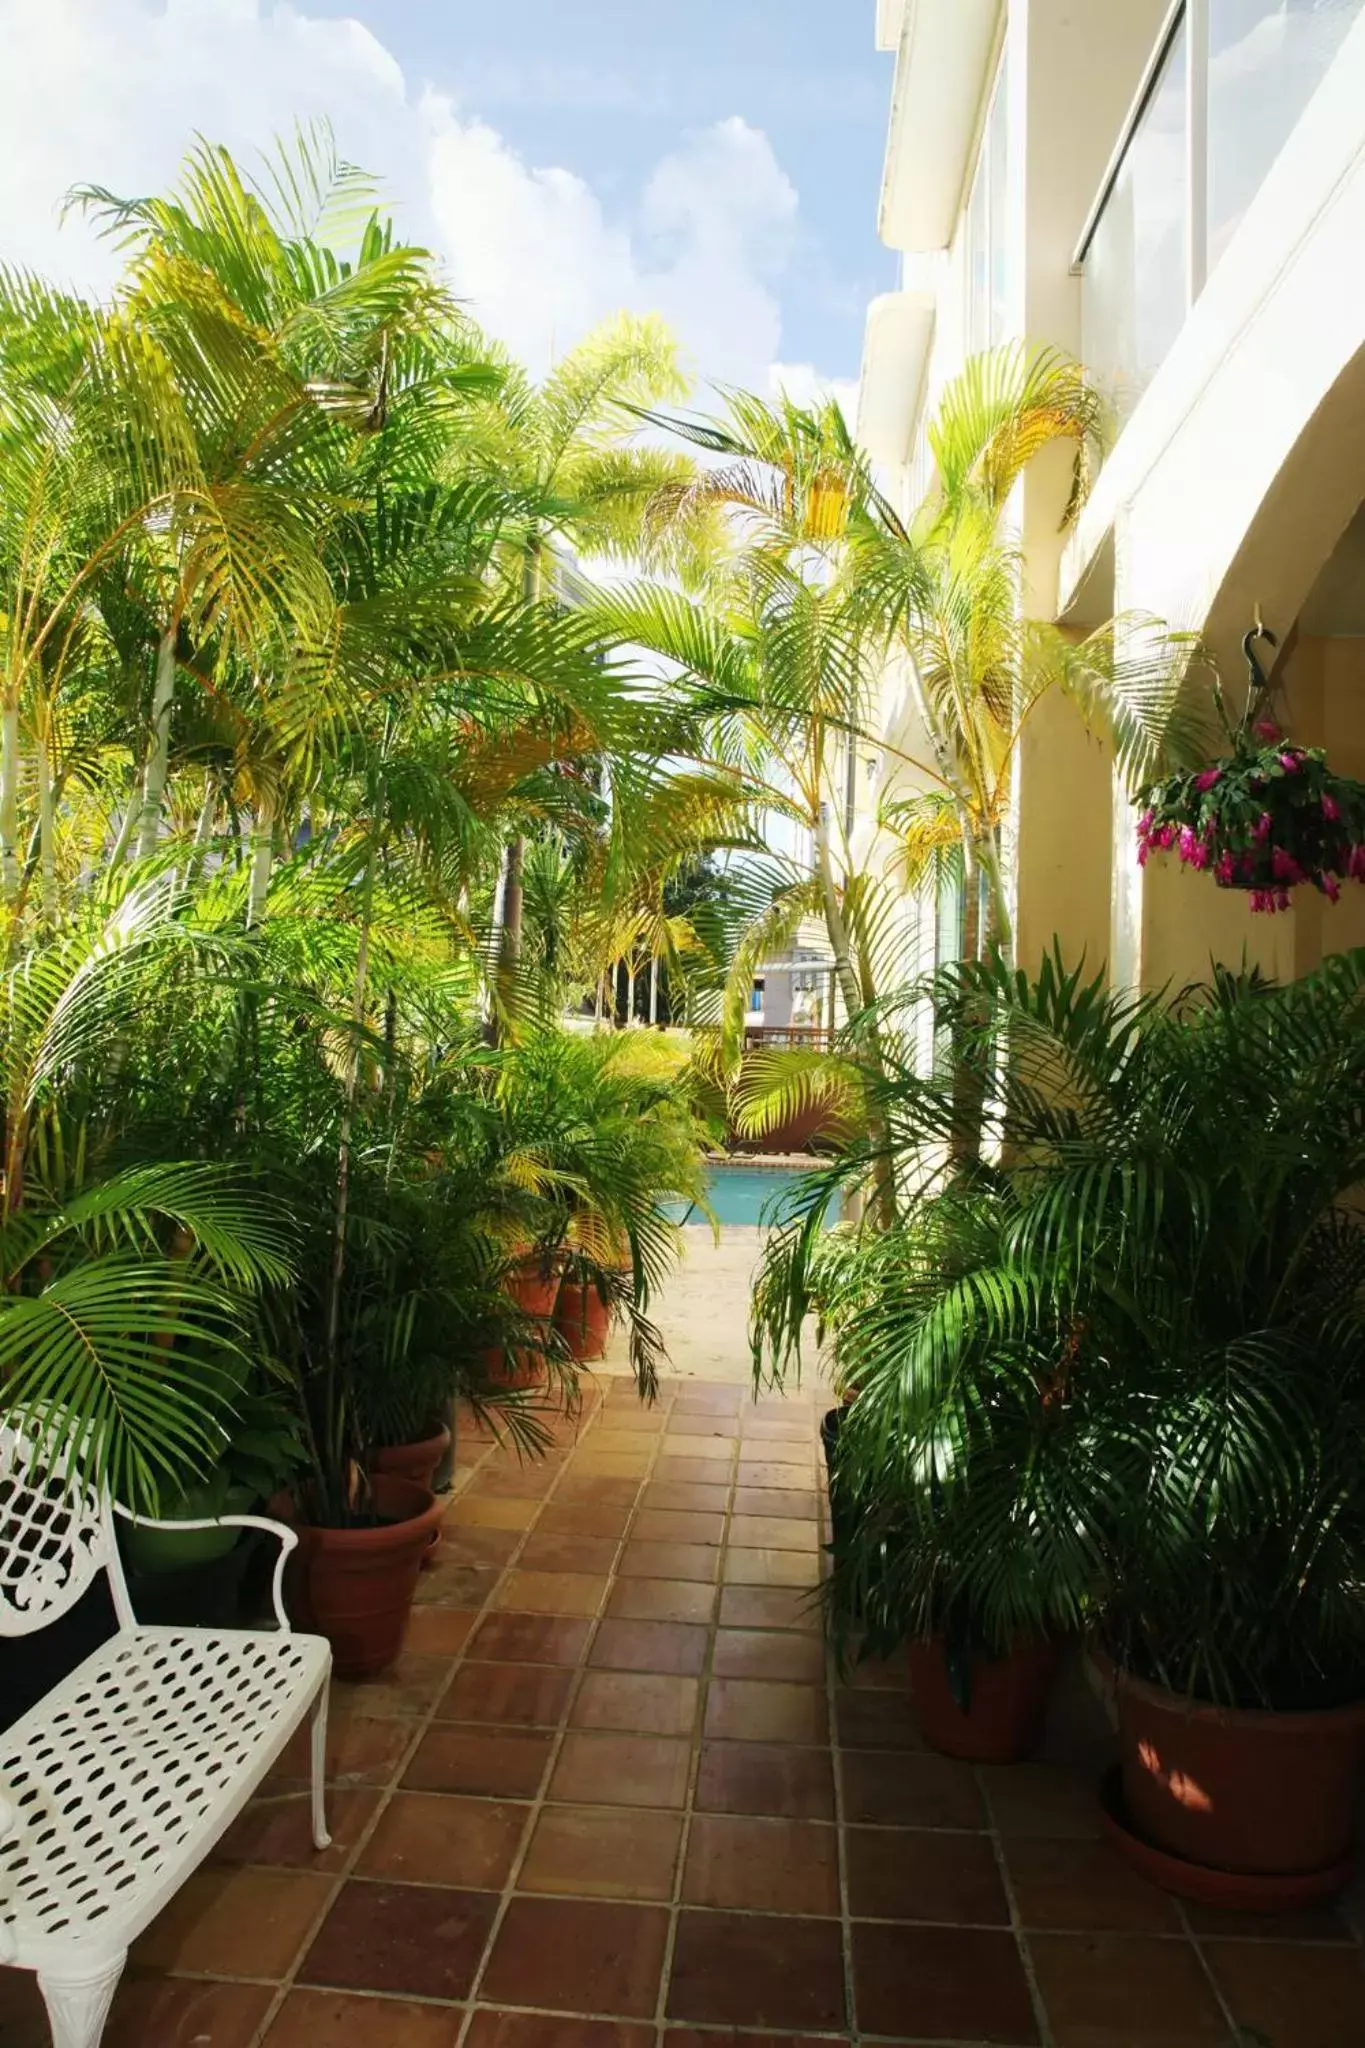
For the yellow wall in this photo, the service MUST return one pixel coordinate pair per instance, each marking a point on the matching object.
(1063, 831)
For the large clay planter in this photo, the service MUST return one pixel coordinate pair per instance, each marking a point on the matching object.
(1007, 1703)
(355, 1586)
(534, 1293)
(415, 1461)
(582, 1319)
(1254, 1793)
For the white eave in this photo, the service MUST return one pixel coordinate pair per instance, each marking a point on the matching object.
(899, 337)
(890, 20)
(942, 72)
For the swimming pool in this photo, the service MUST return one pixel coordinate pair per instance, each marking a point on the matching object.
(742, 1194)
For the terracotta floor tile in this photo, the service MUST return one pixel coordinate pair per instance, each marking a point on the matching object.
(787, 1503)
(745, 1864)
(613, 1464)
(454, 1584)
(744, 1567)
(532, 1695)
(699, 1399)
(876, 1719)
(596, 1490)
(416, 1941)
(893, 1790)
(582, 1519)
(333, 2019)
(435, 1838)
(770, 1472)
(547, 1552)
(512, 1482)
(661, 1600)
(636, 1703)
(360, 1751)
(439, 1631)
(673, 1525)
(175, 2012)
(277, 1828)
(751, 1970)
(405, 1692)
(675, 1471)
(767, 1653)
(621, 1770)
(570, 1955)
(774, 1532)
(674, 1646)
(766, 1778)
(907, 1874)
(749, 1710)
(603, 1852)
(671, 1497)
(942, 1983)
(539, 2030)
(551, 1592)
(460, 1544)
(497, 1763)
(1301, 1997)
(1311, 1923)
(1041, 1799)
(529, 1639)
(225, 1922)
(1142, 1993)
(769, 1607)
(609, 1439)
(668, 1561)
(684, 1438)
(731, 2037)
(1064, 1885)
(474, 1510)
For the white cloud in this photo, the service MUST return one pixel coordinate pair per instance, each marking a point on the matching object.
(112, 92)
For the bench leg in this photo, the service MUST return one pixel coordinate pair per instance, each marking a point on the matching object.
(321, 1838)
(78, 2006)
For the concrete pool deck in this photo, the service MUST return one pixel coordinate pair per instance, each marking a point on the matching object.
(703, 1311)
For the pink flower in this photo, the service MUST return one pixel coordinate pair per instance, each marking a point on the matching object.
(1263, 824)
(1210, 779)
(1189, 844)
(1331, 888)
(1262, 899)
(1284, 867)
(1290, 763)
(1225, 871)
(1266, 729)
(1331, 809)
(1144, 854)
(1355, 866)
(1144, 825)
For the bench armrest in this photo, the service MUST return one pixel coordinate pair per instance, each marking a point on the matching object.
(288, 1540)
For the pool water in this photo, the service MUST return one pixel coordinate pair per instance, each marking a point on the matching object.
(742, 1194)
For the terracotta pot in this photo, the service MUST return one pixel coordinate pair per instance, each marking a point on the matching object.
(415, 1461)
(582, 1319)
(355, 1586)
(1240, 1790)
(532, 1289)
(1008, 1703)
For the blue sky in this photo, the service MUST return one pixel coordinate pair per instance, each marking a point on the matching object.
(604, 86)
(718, 159)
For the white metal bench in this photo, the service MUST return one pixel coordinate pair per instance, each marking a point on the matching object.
(118, 1783)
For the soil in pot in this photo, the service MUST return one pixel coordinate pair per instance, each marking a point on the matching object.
(1006, 1701)
(355, 1586)
(583, 1320)
(417, 1461)
(1241, 1790)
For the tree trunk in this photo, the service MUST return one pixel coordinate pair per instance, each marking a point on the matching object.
(335, 1406)
(654, 992)
(47, 840)
(159, 753)
(599, 1007)
(9, 799)
(262, 859)
(630, 991)
(851, 989)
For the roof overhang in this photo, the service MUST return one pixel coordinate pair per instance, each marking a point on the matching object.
(942, 71)
(890, 20)
(896, 346)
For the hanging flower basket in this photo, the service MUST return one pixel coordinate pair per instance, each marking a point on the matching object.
(1266, 818)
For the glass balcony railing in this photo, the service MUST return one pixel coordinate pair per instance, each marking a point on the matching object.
(1228, 85)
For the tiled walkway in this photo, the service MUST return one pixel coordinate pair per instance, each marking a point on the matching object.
(612, 1797)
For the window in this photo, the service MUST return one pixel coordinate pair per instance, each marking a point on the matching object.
(989, 243)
